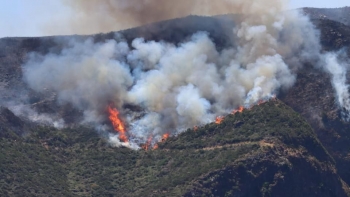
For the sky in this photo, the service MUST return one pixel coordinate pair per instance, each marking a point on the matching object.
(27, 18)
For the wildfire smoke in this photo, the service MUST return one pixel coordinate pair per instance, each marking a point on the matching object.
(181, 85)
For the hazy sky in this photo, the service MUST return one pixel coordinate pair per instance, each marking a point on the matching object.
(27, 17)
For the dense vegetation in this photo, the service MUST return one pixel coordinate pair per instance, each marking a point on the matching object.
(78, 162)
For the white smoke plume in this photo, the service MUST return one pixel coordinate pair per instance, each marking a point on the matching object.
(21, 106)
(179, 86)
(338, 70)
(27, 112)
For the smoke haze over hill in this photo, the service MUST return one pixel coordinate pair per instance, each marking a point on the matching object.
(109, 15)
(179, 85)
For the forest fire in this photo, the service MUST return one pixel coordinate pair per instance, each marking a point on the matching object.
(155, 147)
(117, 123)
(148, 144)
(239, 110)
(219, 119)
(165, 137)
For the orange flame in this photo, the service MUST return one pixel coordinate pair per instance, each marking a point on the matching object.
(195, 128)
(148, 144)
(239, 110)
(155, 147)
(165, 137)
(219, 119)
(118, 125)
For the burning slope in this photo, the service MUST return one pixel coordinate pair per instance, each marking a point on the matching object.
(175, 86)
(150, 144)
(165, 137)
(117, 123)
(219, 119)
(207, 163)
(239, 110)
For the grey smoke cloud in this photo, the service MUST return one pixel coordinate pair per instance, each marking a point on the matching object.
(178, 86)
(337, 69)
(82, 74)
(95, 16)
(26, 111)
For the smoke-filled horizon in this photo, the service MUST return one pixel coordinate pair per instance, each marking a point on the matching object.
(38, 18)
(181, 85)
(91, 16)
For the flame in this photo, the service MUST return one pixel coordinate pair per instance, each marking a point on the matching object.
(148, 144)
(155, 147)
(239, 110)
(219, 119)
(165, 137)
(195, 128)
(118, 125)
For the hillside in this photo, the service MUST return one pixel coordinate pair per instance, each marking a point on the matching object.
(297, 145)
(312, 96)
(341, 15)
(266, 150)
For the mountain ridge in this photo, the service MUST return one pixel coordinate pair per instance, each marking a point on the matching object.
(38, 160)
